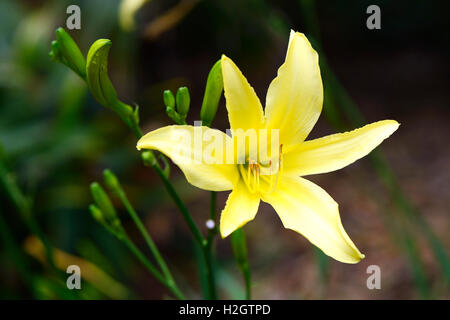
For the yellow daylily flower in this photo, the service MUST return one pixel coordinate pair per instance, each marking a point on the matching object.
(293, 105)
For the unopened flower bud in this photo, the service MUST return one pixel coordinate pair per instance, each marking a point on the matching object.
(103, 202)
(169, 99)
(213, 92)
(96, 213)
(70, 51)
(183, 101)
(148, 158)
(111, 180)
(55, 53)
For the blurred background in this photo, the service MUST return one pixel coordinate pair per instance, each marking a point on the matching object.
(55, 140)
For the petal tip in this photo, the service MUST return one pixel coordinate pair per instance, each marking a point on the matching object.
(224, 58)
(359, 258)
(354, 259)
(139, 145)
(300, 36)
(225, 62)
(224, 234)
(393, 124)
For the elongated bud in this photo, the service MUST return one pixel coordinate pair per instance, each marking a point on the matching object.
(175, 116)
(169, 99)
(55, 53)
(183, 101)
(97, 77)
(103, 202)
(70, 51)
(111, 180)
(171, 112)
(213, 91)
(96, 213)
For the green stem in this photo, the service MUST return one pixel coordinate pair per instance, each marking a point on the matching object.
(148, 239)
(14, 251)
(151, 268)
(248, 281)
(24, 208)
(129, 119)
(204, 244)
(208, 249)
(212, 208)
(239, 245)
(179, 203)
(207, 253)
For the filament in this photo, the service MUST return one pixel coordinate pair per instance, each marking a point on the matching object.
(253, 178)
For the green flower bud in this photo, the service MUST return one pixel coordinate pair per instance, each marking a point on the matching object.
(183, 101)
(97, 76)
(103, 202)
(169, 99)
(55, 53)
(213, 92)
(148, 158)
(70, 51)
(111, 180)
(96, 213)
(171, 112)
(175, 116)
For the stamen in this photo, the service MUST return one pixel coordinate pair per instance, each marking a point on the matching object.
(272, 184)
(257, 183)
(257, 175)
(254, 177)
(280, 152)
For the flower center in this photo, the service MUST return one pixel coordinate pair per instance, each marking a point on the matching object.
(262, 176)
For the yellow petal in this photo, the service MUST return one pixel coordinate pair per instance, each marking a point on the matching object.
(244, 108)
(241, 208)
(306, 208)
(338, 150)
(202, 163)
(294, 99)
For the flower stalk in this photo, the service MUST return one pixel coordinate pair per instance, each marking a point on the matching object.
(239, 246)
(23, 205)
(211, 277)
(114, 185)
(112, 223)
